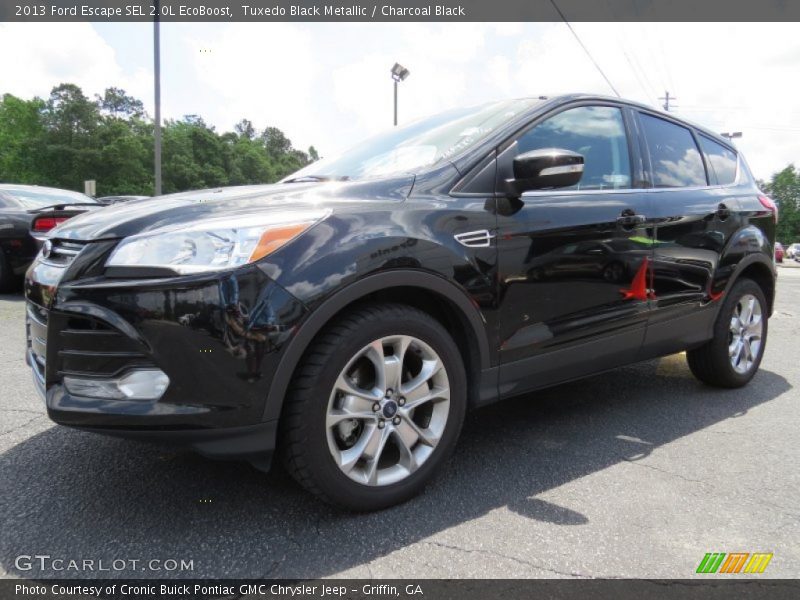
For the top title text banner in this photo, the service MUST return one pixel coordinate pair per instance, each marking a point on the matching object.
(397, 11)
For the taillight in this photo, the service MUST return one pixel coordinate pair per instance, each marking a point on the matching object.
(43, 224)
(770, 205)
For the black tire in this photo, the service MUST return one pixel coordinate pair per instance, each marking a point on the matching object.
(711, 363)
(7, 278)
(303, 441)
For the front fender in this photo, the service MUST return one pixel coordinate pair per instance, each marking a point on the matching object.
(323, 313)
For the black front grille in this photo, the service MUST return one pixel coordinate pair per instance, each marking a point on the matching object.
(36, 329)
(62, 252)
(78, 345)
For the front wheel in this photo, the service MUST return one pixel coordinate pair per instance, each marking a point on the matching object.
(733, 356)
(375, 408)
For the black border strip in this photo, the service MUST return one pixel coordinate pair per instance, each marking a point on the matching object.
(399, 10)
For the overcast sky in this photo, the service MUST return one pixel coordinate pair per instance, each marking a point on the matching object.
(329, 84)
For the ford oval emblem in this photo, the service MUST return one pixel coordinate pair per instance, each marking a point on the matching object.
(47, 248)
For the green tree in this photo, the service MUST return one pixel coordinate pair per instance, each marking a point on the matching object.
(784, 188)
(68, 138)
(21, 136)
(70, 149)
(245, 129)
(117, 103)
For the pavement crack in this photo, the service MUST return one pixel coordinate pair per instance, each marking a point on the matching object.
(22, 425)
(746, 494)
(515, 559)
(666, 472)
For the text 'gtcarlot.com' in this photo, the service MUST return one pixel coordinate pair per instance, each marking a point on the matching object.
(46, 562)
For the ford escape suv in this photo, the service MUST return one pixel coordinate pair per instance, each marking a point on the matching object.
(349, 315)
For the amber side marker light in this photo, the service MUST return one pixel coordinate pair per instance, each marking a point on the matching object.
(274, 238)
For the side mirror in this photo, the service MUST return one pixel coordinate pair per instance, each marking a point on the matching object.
(545, 168)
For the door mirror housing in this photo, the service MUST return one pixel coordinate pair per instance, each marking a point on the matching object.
(545, 168)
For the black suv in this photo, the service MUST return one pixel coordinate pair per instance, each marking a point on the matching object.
(349, 315)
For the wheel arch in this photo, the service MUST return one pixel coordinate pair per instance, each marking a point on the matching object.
(764, 277)
(436, 296)
(761, 270)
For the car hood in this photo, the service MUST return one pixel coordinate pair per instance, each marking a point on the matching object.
(140, 216)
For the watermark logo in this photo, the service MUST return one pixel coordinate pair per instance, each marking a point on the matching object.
(734, 562)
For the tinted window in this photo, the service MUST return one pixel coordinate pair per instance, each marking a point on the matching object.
(722, 162)
(596, 132)
(673, 153)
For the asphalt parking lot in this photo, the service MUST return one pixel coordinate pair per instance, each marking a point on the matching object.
(634, 473)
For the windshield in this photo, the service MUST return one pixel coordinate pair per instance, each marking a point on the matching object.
(33, 199)
(420, 144)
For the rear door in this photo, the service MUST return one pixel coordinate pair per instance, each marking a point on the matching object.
(695, 216)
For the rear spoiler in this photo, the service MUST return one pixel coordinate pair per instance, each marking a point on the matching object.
(49, 217)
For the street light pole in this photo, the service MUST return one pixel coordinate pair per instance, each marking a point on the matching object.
(157, 90)
(399, 73)
(731, 135)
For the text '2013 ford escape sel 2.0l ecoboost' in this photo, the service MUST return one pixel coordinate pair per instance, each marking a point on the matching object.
(349, 315)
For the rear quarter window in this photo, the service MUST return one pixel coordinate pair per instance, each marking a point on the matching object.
(721, 161)
(674, 155)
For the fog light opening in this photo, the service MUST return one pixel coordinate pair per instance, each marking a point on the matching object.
(141, 384)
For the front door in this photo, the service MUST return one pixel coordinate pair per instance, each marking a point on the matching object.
(575, 262)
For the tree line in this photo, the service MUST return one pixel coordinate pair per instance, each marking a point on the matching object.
(67, 138)
(784, 188)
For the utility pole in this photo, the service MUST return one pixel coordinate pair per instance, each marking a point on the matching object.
(157, 89)
(666, 98)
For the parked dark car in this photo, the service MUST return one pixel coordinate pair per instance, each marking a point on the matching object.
(349, 315)
(27, 212)
(106, 200)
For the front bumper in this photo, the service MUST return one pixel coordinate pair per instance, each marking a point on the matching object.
(217, 337)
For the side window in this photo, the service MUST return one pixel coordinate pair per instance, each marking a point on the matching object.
(722, 161)
(596, 132)
(673, 153)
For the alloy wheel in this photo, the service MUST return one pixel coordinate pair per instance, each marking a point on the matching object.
(388, 410)
(745, 334)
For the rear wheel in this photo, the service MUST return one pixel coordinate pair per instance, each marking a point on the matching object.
(733, 356)
(375, 408)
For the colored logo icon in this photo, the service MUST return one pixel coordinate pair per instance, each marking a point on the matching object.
(735, 562)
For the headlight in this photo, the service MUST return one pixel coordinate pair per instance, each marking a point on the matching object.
(213, 244)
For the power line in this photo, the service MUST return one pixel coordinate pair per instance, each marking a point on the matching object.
(664, 64)
(648, 89)
(585, 49)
